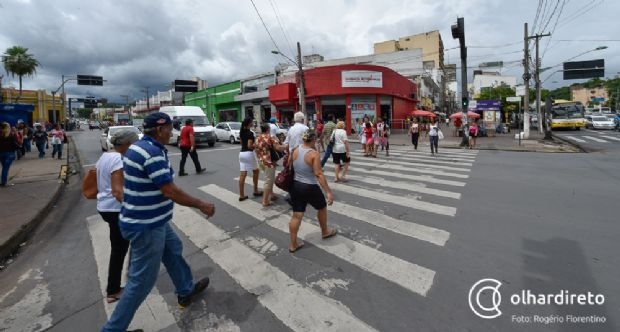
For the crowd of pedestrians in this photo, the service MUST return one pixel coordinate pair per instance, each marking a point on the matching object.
(16, 141)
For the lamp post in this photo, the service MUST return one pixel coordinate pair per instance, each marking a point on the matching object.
(128, 109)
(300, 77)
(146, 90)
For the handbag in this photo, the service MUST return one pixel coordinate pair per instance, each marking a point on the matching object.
(89, 185)
(284, 179)
(440, 134)
(274, 154)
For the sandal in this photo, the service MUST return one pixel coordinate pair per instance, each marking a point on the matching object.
(241, 199)
(331, 233)
(114, 297)
(258, 194)
(299, 246)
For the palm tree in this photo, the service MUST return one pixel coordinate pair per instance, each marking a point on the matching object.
(17, 61)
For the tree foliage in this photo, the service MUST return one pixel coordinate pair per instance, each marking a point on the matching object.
(18, 62)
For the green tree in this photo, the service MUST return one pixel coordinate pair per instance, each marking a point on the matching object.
(18, 62)
(84, 113)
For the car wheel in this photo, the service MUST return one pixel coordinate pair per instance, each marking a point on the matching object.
(211, 144)
(232, 140)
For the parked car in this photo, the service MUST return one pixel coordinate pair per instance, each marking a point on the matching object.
(94, 125)
(228, 131)
(600, 122)
(109, 131)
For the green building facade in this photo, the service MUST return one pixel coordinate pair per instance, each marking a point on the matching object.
(218, 102)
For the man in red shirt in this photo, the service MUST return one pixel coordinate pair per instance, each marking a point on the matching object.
(187, 144)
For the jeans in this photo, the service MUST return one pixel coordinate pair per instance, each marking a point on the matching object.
(328, 153)
(434, 143)
(41, 148)
(149, 248)
(185, 150)
(414, 140)
(118, 251)
(6, 158)
(57, 148)
(27, 144)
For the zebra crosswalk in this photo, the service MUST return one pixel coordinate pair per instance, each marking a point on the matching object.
(592, 136)
(411, 195)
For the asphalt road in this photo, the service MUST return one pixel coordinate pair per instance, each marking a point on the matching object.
(416, 233)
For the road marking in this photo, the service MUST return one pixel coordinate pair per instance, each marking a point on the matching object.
(380, 162)
(612, 138)
(298, 307)
(595, 139)
(29, 313)
(206, 150)
(378, 219)
(153, 314)
(410, 276)
(423, 168)
(418, 157)
(575, 139)
(402, 176)
(403, 185)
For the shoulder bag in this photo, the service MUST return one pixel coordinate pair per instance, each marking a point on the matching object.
(89, 185)
(284, 179)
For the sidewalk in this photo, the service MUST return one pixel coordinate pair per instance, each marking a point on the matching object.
(36, 185)
(504, 142)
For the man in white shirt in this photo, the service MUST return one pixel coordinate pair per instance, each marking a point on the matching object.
(293, 137)
(273, 127)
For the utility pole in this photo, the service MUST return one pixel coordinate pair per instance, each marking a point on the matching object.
(302, 88)
(542, 121)
(146, 89)
(526, 82)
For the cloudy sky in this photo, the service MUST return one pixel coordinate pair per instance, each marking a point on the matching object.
(149, 43)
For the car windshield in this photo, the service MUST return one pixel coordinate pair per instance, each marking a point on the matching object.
(114, 130)
(198, 120)
(599, 118)
(235, 125)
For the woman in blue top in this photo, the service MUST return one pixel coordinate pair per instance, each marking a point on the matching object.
(306, 190)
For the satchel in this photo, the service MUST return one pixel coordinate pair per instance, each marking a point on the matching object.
(284, 179)
(274, 154)
(89, 185)
(439, 134)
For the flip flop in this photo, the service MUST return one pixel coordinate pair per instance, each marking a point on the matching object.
(241, 199)
(299, 246)
(114, 297)
(331, 233)
(258, 194)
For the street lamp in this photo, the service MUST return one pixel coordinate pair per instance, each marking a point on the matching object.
(128, 109)
(300, 76)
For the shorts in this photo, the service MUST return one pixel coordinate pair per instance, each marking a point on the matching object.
(270, 175)
(303, 194)
(338, 157)
(247, 161)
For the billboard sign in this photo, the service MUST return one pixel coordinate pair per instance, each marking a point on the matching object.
(584, 69)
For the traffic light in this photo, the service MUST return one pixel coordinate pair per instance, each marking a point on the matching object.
(465, 103)
(458, 29)
(89, 80)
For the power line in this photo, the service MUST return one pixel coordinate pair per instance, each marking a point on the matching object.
(282, 28)
(265, 26)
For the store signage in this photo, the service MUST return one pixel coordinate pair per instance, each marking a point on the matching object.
(362, 79)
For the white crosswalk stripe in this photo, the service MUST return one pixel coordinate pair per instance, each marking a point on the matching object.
(407, 228)
(595, 139)
(244, 256)
(153, 314)
(573, 138)
(273, 288)
(611, 138)
(417, 279)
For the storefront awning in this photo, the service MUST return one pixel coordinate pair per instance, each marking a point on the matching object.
(283, 94)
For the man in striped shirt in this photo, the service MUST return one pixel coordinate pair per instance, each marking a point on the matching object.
(149, 196)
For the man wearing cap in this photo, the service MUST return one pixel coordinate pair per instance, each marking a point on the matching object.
(187, 144)
(149, 195)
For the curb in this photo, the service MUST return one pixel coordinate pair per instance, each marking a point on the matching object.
(11, 247)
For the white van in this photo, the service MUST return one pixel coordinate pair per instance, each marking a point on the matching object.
(203, 130)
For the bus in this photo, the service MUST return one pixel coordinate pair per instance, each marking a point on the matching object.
(567, 114)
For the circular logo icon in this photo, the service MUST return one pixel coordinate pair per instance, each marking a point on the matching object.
(480, 291)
